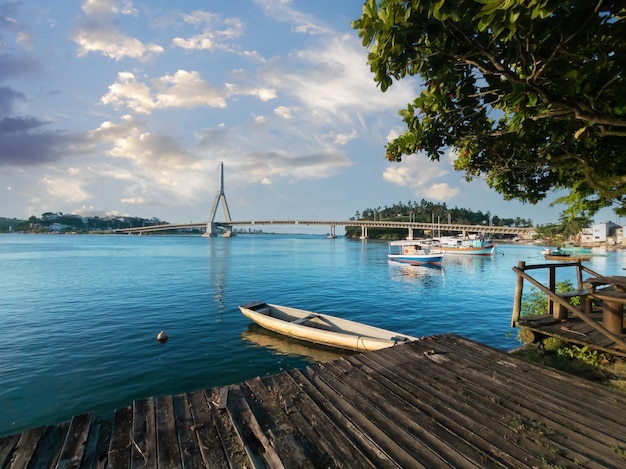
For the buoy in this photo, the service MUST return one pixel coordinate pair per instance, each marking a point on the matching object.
(162, 337)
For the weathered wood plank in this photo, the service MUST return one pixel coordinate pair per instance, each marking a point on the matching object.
(436, 385)
(384, 411)
(26, 447)
(188, 444)
(75, 441)
(7, 444)
(345, 440)
(204, 427)
(256, 443)
(168, 453)
(143, 438)
(529, 408)
(49, 447)
(290, 441)
(97, 447)
(229, 436)
(121, 434)
(326, 442)
(450, 427)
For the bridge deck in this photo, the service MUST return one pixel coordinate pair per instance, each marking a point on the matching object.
(441, 402)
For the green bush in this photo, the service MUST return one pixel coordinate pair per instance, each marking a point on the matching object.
(536, 302)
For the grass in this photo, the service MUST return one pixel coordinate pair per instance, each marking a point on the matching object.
(605, 369)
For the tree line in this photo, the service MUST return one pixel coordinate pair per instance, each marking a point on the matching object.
(71, 223)
(428, 212)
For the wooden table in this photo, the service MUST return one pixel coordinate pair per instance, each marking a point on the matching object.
(613, 297)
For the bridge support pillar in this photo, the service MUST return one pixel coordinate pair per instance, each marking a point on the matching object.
(363, 232)
(210, 230)
(410, 235)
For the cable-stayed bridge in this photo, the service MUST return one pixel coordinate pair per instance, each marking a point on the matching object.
(225, 228)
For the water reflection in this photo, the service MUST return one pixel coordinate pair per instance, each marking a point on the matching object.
(468, 263)
(291, 347)
(409, 273)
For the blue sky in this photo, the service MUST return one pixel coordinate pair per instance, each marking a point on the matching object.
(127, 107)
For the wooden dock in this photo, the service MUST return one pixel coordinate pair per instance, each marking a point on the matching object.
(444, 401)
(595, 322)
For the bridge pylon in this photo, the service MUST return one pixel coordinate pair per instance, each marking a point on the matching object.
(211, 226)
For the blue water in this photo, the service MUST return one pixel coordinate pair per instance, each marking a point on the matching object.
(79, 315)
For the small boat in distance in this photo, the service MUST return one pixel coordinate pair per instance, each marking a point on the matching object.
(322, 328)
(414, 252)
(470, 246)
(560, 255)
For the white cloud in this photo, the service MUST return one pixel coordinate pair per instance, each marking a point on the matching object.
(342, 139)
(283, 111)
(421, 175)
(188, 90)
(280, 10)
(333, 80)
(66, 190)
(128, 92)
(107, 7)
(217, 32)
(98, 32)
(183, 89)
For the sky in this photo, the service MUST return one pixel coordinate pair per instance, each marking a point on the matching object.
(123, 107)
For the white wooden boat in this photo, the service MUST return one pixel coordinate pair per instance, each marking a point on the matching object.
(414, 252)
(476, 246)
(322, 328)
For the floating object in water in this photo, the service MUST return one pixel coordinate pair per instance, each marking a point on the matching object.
(162, 337)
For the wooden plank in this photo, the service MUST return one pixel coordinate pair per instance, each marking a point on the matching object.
(229, 436)
(119, 447)
(75, 441)
(7, 445)
(187, 441)
(556, 423)
(49, 446)
(436, 386)
(256, 443)
(168, 452)
(26, 447)
(209, 443)
(418, 436)
(143, 438)
(305, 319)
(475, 441)
(290, 441)
(96, 449)
(331, 439)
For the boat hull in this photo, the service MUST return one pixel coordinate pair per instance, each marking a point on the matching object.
(566, 258)
(322, 328)
(414, 252)
(417, 260)
(461, 251)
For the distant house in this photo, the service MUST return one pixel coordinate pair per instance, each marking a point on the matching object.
(602, 233)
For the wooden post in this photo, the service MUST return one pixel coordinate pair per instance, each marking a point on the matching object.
(579, 276)
(517, 301)
(552, 288)
(613, 316)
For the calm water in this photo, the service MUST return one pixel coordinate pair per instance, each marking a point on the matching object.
(79, 315)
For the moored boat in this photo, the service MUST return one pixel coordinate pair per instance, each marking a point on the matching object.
(414, 252)
(560, 255)
(322, 329)
(456, 245)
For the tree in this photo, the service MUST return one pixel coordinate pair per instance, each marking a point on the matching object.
(529, 93)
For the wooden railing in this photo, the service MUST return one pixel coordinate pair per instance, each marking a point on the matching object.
(561, 299)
